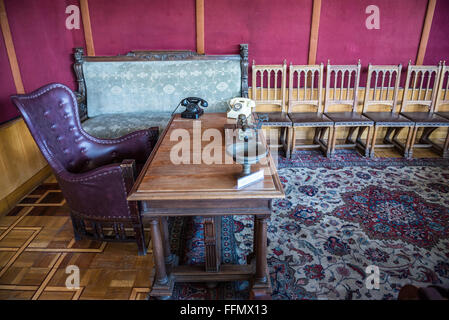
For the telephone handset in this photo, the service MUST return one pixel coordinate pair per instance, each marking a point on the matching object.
(239, 106)
(193, 107)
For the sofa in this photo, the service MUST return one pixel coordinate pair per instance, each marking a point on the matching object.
(120, 94)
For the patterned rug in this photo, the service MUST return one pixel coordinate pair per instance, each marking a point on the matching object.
(336, 220)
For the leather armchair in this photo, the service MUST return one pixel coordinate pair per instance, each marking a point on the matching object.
(95, 175)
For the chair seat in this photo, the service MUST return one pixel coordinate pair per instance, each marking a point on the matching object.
(443, 114)
(273, 119)
(426, 118)
(110, 126)
(388, 118)
(348, 119)
(303, 119)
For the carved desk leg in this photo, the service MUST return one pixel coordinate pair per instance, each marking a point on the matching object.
(163, 284)
(169, 257)
(212, 232)
(261, 287)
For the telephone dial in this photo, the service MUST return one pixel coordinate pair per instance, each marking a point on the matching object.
(238, 106)
(193, 107)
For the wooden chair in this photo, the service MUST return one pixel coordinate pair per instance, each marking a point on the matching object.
(311, 97)
(269, 96)
(348, 76)
(443, 91)
(421, 89)
(386, 95)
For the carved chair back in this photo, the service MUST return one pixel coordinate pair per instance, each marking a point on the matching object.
(382, 93)
(311, 76)
(346, 77)
(421, 86)
(443, 87)
(271, 73)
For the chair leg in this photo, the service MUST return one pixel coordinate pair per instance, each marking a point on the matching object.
(359, 134)
(322, 133)
(140, 239)
(288, 153)
(387, 139)
(445, 151)
(368, 142)
(407, 142)
(76, 228)
(412, 142)
(425, 135)
(350, 133)
(331, 142)
(396, 134)
(373, 142)
(293, 142)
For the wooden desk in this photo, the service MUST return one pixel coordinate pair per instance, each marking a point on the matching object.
(194, 188)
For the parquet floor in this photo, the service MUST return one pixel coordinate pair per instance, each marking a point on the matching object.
(37, 244)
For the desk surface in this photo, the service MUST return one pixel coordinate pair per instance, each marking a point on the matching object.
(193, 179)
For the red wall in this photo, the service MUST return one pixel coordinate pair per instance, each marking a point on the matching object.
(121, 26)
(274, 30)
(344, 38)
(438, 45)
(43, 44)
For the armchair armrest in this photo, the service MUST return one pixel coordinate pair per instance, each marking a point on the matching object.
(100, 193)
(137, 146)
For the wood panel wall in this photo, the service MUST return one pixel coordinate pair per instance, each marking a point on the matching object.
(21, 163)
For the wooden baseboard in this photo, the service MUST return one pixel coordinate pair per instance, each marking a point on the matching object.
(9, 202)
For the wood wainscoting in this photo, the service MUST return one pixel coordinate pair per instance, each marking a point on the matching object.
(22, 166)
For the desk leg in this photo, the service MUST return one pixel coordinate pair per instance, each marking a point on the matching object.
(261, 287)
(212, 243)
(169, 257)
(163, 283)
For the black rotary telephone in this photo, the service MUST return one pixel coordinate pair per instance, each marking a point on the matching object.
(193, 110)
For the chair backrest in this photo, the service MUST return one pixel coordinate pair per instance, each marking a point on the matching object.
(382, 94)
(421, 86)
(51, 115)
(443, 87)
(311, 76)
(269, 74)
(346, 77)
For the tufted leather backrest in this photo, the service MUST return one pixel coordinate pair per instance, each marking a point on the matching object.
(51, 114)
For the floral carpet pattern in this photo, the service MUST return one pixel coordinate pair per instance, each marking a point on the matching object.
(338, 220)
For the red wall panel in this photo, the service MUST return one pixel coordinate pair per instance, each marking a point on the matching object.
(120, 26)
(7, 88)
(438, 45)
(42, 42)
(274, 30)
(343, 37)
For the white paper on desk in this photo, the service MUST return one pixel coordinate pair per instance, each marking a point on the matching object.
(250, 179)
